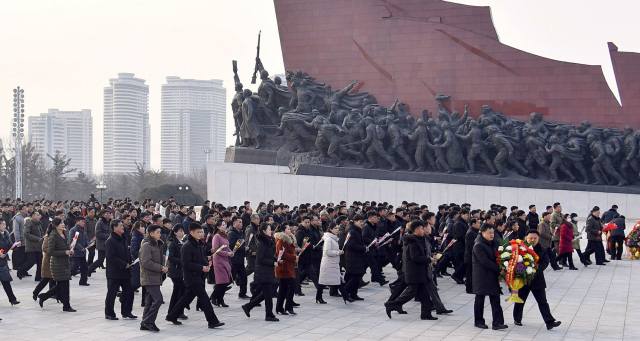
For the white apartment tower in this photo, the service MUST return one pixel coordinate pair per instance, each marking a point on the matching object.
(126, 124)
(193, 123)
(70, 132)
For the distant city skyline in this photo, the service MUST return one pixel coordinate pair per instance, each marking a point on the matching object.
(87, 42)
(193, 120)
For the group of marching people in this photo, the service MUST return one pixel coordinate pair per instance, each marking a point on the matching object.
(329, 246)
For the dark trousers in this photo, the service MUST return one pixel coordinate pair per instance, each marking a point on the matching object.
(152, 304)
(31, 259)
(435, 297)
(376, 274)
(99, 262)
(616, 251)
(217, 296)
(541, 298)
(309, 272)
(43, 282)
(468, 282)
(286, 289)
(594, 246)
(443, 263)
(352, 282)
(496, 310)
(251, 264)
(80, 263)
(126, 297)
(239, 275)
(418, 291)
(340, 288)
(552, 257)
(61, 291)
(178, 290)
(567, 256)
(6, 285)
(91, 254)
(190, 293)
(460, 268)
(264, 293)
(18, 257)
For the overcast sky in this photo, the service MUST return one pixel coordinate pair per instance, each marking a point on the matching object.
(64, 52)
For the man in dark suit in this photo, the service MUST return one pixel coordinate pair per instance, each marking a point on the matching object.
(537, 286)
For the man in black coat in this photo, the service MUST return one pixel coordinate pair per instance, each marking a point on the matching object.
(103, 231)
(610, 214)
(470, 239)
(594, 238)
(537, 286)
(354, 251)
(238, 271)
(486, 274)
(533, 218)
(616, 237)
(368, 235)
(521, 218)
(416, 265)
(305, 260)
(460, 228)
(118, 272)
(250, 239)
(194, 268)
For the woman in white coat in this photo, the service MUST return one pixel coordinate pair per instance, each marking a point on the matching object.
(330, 265)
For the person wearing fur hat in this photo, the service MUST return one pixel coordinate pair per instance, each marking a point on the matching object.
(286, 271)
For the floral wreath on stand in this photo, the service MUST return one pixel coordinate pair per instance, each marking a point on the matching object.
(520, 264)
(633, 242)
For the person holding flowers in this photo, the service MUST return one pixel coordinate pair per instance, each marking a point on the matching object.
(265, 277)
(221, 264)
(538, 284)
(486, 273)
(286, 271)
(565, 248)
(330, 266)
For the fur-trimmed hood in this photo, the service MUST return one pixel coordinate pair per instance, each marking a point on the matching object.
(289, 239)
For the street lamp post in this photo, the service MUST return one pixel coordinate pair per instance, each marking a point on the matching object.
(101, 186)
(18, 134)
(208, 152)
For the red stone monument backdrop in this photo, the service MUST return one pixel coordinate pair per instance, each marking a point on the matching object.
(415, 49)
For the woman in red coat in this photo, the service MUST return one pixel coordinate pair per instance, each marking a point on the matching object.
(565, 250)
(286, 270)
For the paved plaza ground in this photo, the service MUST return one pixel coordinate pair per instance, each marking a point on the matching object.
(593, 304)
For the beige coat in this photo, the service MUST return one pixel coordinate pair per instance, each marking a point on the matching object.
(330, 265)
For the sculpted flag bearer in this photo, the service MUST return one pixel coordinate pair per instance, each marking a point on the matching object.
(537, 286)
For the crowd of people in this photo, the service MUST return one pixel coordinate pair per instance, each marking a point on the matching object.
(275, 252)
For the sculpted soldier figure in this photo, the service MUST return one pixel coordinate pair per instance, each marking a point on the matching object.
(453, 154)
(435, 134)
(536, 154)
(477, 148)
(400, 112)
(373, 141)
(557, 153)
(236, 109)
(561, 134)
(602, 161)
(278, 81)
(517, 139)
(535, 123)
(250, 129)
(612, 145)
(630, 152)
(505, 152)
(304, 96)
(397, 143)
(332, 101)
(294, 130)
(587, 129)
(330, 132)
(421, 138)
(267, 98)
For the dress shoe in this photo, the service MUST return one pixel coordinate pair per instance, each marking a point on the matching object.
(41, 301)
(176, 322)
(183, 317)
(35, 296)
(246, 310)
(215, 325)
(499, 327)
(14, 303)
(402, 312)
(573, 268)
(282, 312)
(357, 298)
(27, 275)
(606, 261)
(518, 323)
(320, 301)
(388, 310)
(109, 317)
(430, 318)
(84, 284)
(295, 304)
(143, 327)
(383, 282)
(300, 294)
(150, 326)
(130, 316)
(481, 326)
(444, 312)
(291, 312)
(553, 325)
(271, 319)
(244, 297)
(348, 299)
(69, 310)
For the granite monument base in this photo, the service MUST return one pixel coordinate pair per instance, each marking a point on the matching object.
(250, 155)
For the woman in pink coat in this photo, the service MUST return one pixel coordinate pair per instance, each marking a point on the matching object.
(221, 264)
(565, 249)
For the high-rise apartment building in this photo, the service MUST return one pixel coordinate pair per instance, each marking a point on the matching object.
(193, 123)
(126, 124)
(70, 132)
